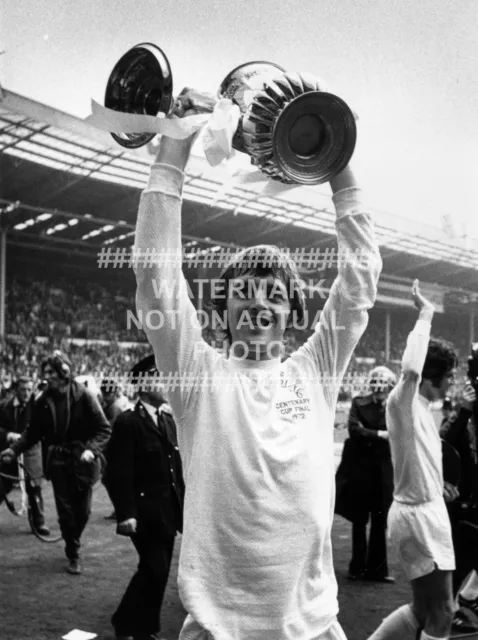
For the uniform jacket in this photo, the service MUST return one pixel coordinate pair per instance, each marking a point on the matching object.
(144, 472)
(364, 477)
(87, 426)
(9, 423)
(460, 432)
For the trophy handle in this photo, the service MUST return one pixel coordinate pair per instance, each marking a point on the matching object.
(240, 84)
(141, 83)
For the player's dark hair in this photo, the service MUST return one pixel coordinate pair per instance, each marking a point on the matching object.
(260, 261)
(441, 359)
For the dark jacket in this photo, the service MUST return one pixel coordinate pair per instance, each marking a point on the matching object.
(87, 426)
(7, 415)
(9, 423)
(144, 473)
(364, 479)
(456, 431)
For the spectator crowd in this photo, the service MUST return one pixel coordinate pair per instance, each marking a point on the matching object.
(86, 318)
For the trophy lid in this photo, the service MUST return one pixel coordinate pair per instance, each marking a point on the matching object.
(141, 83)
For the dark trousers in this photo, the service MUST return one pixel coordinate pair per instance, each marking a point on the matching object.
(140, 607)
(35, 500)
(73, 505)
(34, 495)
(371, 558)
(465, 544)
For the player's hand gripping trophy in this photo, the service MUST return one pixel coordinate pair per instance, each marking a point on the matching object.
(293, 130)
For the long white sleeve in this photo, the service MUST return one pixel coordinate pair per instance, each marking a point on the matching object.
(344, 317)
(162, 293)
(416, 349)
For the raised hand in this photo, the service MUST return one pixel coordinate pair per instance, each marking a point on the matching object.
(421, 303)
(191, 102)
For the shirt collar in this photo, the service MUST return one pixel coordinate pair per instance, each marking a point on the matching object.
(150, 409)
(247, 364)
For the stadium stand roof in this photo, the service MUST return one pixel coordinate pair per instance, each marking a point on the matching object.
(67, 186)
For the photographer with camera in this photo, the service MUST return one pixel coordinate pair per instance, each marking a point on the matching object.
(460, 432)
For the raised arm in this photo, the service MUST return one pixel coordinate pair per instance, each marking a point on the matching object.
(417, 342)
(415, 351)
(344, 317)
(162, 293)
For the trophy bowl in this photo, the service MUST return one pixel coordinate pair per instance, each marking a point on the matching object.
(297, 133)
(141, 83)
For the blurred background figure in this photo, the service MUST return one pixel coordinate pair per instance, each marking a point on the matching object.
(365, 479)
(114, 403)
(460, 431)
(446, 410)
(112, 399)
(15, 416)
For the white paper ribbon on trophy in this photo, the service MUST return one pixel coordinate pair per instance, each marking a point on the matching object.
(118, 122)
(219, 131)
(220, 128)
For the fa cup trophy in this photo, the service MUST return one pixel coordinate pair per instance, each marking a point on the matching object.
(294, 132)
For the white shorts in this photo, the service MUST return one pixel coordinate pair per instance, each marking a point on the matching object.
(193, 631)
(420, 534)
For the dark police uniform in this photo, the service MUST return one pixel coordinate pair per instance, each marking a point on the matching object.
(144, 479)
(365, 487)
(460, 432)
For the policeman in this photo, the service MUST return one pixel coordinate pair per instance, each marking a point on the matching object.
(145, 482)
